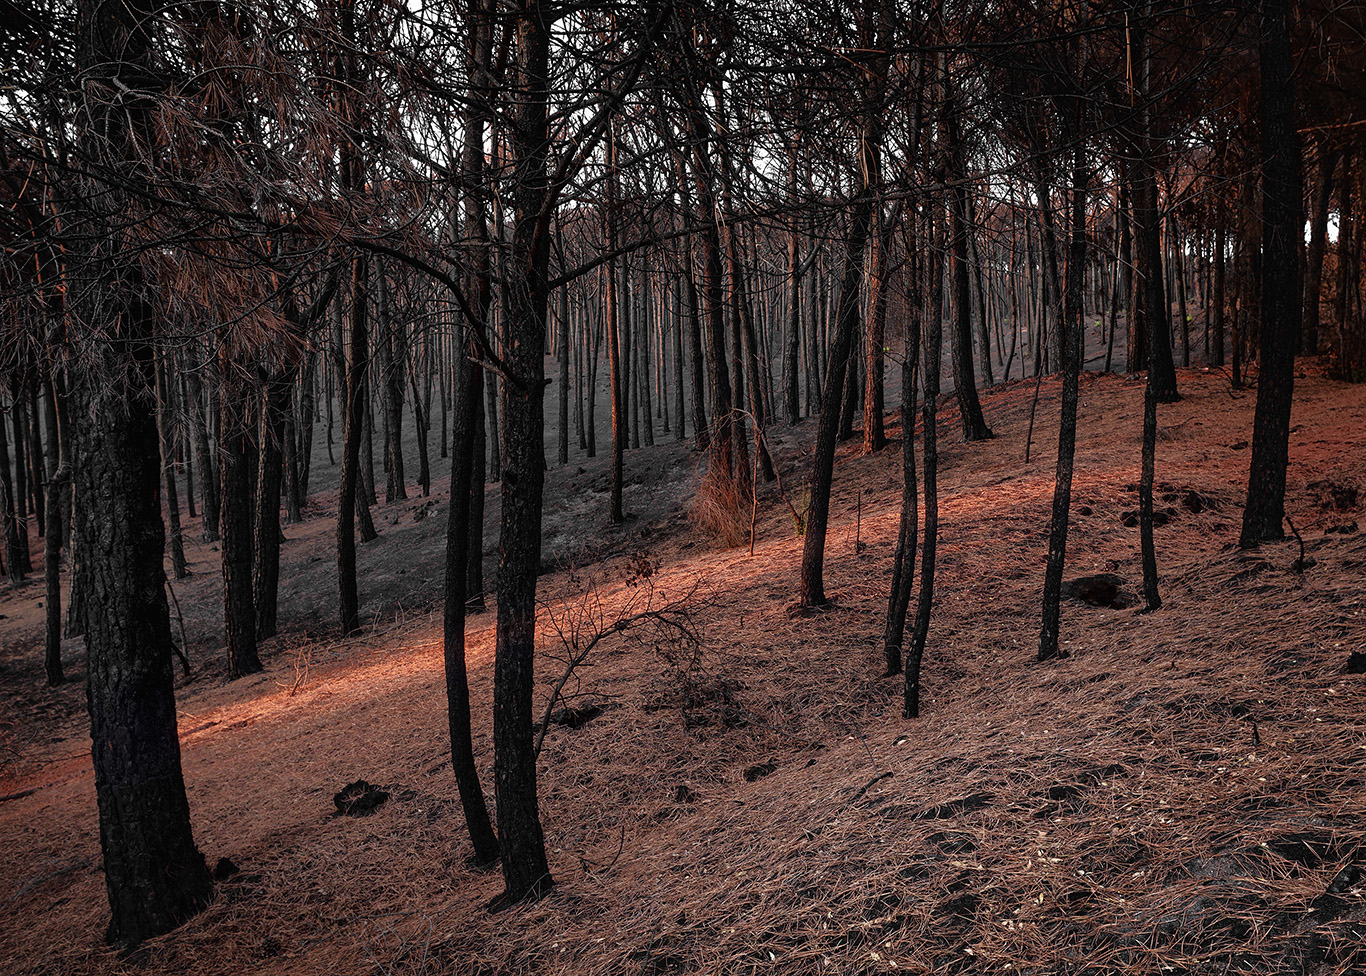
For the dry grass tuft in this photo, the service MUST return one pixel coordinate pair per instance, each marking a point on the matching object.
(720, 510)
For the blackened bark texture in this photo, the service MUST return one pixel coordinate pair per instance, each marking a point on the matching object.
(903, 561)
(680, 428)
(467, 406)
(1148, 239)
(474, 565)
(392, 353)
(59, 463)
(753, 369)
(1147, 545)
(697, 358)
(165, 426)
(616, 368)
(154, 875)
(477, 821)
(874, 352)
(352, 429)
(812, 586)
(276, 391)
(1073, 353)
(934, 353)
(16, 559)
(234, 477)
(208, 467)
(1156, 313)
(1318, 241)
(792, 347)
(304, 426)
(964, 377)
(562, 353)
(1220, 243)
(1282, 233)
(526, 871)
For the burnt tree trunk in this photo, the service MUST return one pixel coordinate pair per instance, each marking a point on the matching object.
(234, 478)
(526, 872)
(1074, 355)
(154, 875)
(1282, 232)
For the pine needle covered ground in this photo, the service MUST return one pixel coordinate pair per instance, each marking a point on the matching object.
(1185, 793)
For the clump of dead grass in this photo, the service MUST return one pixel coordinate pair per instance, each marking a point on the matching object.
(720, 509)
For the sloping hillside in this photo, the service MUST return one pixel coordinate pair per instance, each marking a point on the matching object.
(1185, 793)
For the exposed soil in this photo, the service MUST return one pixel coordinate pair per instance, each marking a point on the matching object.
(1185, 793)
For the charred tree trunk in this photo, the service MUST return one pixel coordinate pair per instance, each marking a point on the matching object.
(903, 561)
(165, 426)
(349, 597)
(154, 875)
(275, 397)
(1282, 232)
(1074, 356)
(812, 586)
(964, 377)
(934, 352)
(526, 872)
(239, 609)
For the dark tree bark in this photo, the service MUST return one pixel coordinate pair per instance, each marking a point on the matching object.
(792, 353)
(526, 871)
(165, 414)
(239, 608)
(275, 405)
(1074, 355)
(1217, 339)
(16, 558)
(468, 413)
(934, 353)
(391, 348)
(615, 348)
(467, 406)
(903, 561)
(812, 587)
(1282, 233)
(1318, 240)
(208, 469)
(562, 331)
(964, 377)
(154, 875)
(352, 428)
(474, 565)
(57, 479)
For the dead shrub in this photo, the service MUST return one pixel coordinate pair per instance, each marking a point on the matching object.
(720, 510)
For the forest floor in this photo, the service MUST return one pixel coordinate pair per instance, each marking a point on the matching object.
(1185, 793)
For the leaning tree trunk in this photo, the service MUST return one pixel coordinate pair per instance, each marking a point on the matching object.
(964, 376)
(812, 587)
(1074, 354)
